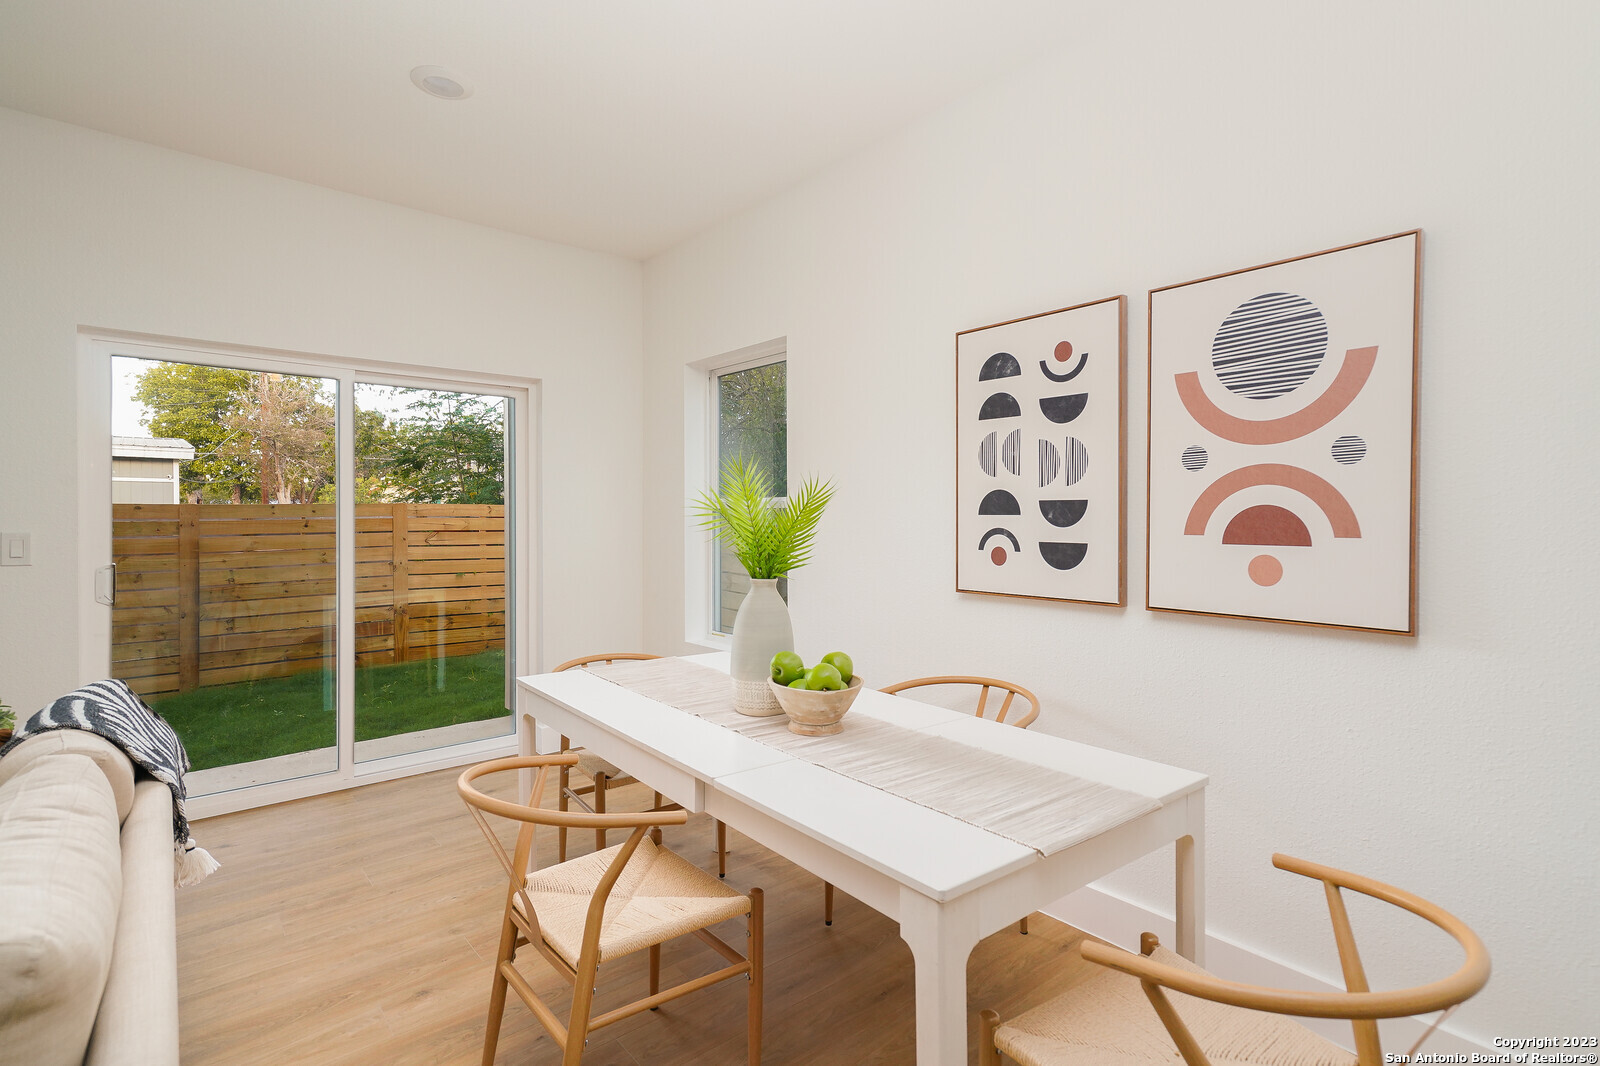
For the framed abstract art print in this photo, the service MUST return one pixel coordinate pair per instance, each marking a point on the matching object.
(1283, 440)
(1039, 467)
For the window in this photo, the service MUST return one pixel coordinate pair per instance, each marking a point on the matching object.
(750, 417)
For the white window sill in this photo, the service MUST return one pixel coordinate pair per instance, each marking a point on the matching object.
(710, 641)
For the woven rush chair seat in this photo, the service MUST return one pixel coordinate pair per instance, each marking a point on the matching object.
(592, 764)
(1107, 1021)
(659, 896)
(1157, 1007)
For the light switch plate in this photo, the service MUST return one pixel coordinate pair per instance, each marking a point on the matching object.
(16, 549)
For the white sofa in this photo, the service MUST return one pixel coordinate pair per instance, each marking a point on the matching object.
(88, 942)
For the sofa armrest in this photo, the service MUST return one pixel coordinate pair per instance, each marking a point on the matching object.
(138, 1020)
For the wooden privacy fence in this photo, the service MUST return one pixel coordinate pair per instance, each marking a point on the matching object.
(209, 594)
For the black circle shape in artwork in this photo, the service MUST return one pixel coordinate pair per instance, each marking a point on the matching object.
(999, 502)
(1000, 405)
(1349, 450)
(1269, 345)
(1000, 365)
(1195, 457)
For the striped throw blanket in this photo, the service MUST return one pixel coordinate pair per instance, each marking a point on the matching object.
(113, 710)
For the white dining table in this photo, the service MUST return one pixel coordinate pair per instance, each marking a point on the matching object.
(946, 882)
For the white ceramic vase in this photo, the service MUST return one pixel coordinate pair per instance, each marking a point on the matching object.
(761, 630)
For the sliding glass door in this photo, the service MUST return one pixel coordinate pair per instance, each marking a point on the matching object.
(314, 573)
(431, 568)
(225, 539)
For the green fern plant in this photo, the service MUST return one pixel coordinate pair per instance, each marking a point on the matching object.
(770, 537)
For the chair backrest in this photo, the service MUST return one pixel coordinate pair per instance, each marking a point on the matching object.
(606, 657)
(984, 684)
(1358, 1004)
(531, 815)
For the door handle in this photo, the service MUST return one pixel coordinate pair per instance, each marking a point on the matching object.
(105, 585)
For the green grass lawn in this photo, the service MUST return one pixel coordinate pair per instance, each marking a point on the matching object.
(282, 715)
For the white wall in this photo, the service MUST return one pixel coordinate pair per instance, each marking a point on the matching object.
(102, 232)
(1169, 143)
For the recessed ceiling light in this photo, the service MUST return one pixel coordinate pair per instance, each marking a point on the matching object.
(437, 81)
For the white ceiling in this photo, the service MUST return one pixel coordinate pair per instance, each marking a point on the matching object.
(618, 125)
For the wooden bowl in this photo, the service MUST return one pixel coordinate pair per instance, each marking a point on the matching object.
(815, 714)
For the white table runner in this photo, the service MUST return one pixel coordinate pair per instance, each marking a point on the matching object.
(1040, 808)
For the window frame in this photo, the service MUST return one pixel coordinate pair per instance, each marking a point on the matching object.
(702, 566)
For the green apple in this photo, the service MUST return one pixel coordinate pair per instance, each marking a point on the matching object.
(786, 667)
(824, 677)
(841, 662)
(798, 682)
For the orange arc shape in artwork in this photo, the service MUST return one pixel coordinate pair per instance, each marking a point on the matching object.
(1349, 382)
(1341, 516)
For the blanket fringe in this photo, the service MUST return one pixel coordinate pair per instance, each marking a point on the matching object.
(194, 864)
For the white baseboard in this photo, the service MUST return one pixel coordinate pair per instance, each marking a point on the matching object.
(1119, 921)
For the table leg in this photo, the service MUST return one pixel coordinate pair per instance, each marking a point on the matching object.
(941, 937)
(528, 737)
(525, 728)
(1190, 876)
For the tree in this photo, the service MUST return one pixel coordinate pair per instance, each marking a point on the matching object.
(285, 427)
(257, 437)
(752, 420)
(375, 437)
(450, 448)
(270, 438)
(193, 403)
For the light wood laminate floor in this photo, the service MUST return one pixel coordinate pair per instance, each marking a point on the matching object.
(359, 927)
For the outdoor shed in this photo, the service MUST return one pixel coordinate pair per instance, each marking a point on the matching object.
(145, 469)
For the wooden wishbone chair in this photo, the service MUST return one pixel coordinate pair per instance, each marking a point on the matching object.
(600, 907)
(604, 775)
(983, 684)
(1107, 1016)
